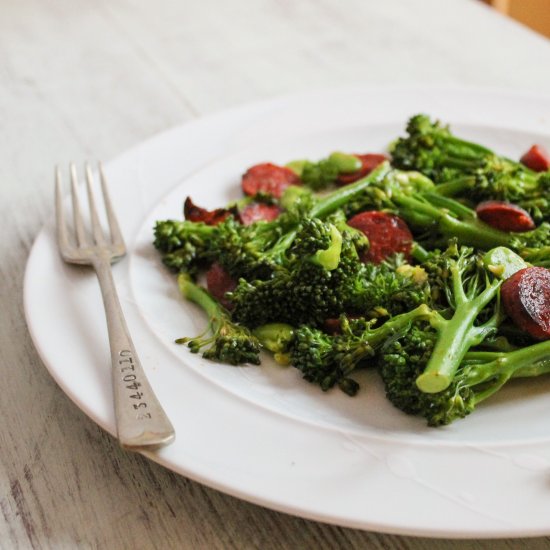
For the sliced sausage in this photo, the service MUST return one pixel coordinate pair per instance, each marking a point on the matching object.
(268, 178)
(195, 213)
(368, 163)
(388, 234)
(505, 216)
(219, 282)
(536, 159)
(526, 299)
(256, 212)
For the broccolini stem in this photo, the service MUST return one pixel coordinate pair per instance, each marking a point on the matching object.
(419, 253)
(229, 343)
(338, 198)
(456, 336)
(524, 359)
(522, 363)
(482, 356)
(469, 231)
(466, 149)
(529, 371)
(455, 207)
(379, 335)
(201, 297)
(456, 186)
(466, 163)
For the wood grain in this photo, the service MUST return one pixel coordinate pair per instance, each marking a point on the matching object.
(84, 79)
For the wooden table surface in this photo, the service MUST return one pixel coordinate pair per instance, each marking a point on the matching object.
(86, 79)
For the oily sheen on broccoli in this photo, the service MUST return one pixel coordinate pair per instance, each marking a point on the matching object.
(431, 322)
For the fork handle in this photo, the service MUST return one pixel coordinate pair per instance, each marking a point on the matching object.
(140, 420)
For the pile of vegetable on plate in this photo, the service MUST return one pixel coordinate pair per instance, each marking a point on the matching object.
(429, 265)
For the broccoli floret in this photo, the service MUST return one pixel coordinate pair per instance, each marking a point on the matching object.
(534, 246)
(328, 360)
(474, 313)
(389, 288)
(468, 170)
(319, 242)
(432, 149)
(315, 284)
(229, 342)
(184, 245)
(401, 361)
(480, 375)
(251, 251)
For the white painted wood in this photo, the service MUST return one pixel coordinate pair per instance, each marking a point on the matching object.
(84, 79)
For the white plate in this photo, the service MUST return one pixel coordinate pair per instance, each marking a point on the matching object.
(262, 433)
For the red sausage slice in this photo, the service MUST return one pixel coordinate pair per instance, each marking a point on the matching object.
(195, 213)
(536, 159)
(387, 234)
(256, 211)
(268, 178)
(218, 282)
(368, 163)
(526, 299)
(505, 216)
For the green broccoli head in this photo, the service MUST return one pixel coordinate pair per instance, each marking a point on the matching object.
(534, 246)
(431, 148)
(328, 360)
(400, 363)
(306, 290)
(314, 235)
(228, 342)
(184, 245)
(389, 288)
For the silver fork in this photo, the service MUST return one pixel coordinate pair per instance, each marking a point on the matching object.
(140, 420)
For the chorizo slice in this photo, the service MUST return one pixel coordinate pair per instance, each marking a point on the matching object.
(505, 216)
(536, 158)
(388, 234)
(257, 211)
(369, 162)
(219, 282)
(195, 213)
(268, 178)
(526, 299)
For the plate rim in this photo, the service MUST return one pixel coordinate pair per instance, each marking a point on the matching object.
(157, 457)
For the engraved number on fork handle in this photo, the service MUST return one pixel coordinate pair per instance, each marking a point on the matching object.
(141, 421)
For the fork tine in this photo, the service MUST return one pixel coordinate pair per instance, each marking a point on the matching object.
(62, 234)
(79, 225)
(116, 235)
(96, 225)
